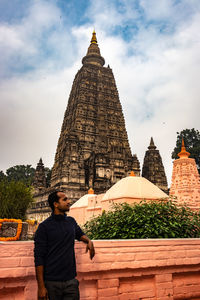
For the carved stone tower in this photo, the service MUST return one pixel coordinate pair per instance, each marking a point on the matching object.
(186, 180)
(93, 148)
(153, 168)
(39, 182)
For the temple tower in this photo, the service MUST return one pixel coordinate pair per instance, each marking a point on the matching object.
(153, 168)
(93, 148)
(39, 182)
(186, 180)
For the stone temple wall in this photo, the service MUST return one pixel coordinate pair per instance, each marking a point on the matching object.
(156, 269)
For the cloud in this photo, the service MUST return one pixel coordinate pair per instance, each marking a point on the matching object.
(32, 114)
(156, 72)
(153, 49)
(32, 41)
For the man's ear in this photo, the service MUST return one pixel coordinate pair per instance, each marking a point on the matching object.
(55, 204)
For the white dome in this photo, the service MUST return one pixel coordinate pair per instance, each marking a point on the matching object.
(83, 201)
(134, 187)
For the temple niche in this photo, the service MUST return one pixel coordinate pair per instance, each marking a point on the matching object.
(131, 189)
(153, 168)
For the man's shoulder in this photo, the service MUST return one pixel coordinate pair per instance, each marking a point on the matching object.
(71, 219)
(46, 221)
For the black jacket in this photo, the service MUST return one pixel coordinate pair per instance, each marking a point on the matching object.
(54, 247)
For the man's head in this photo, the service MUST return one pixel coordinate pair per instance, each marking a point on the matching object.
(59, 202)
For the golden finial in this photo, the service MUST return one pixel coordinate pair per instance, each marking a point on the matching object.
(183, 153)
(132, 174)
(90, 191)
(94, 39)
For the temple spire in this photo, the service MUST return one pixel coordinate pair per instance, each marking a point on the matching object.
(93, 149)
(94, 38)
(152, 145)
(93, 55)
(39, 182)
(153, 168)
(183, 153)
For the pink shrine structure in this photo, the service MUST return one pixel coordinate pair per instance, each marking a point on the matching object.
(131, 189)
(185, 184)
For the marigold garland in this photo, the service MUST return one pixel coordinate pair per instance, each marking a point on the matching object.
(19, 229)
(31, 222)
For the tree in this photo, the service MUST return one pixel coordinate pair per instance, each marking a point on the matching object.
(192, 143)
(24, 173)
(155, 219)
(48, 176)
(15, 198)
(21, 173)
(2, 175)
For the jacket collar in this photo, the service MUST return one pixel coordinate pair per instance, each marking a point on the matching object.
(58, 217)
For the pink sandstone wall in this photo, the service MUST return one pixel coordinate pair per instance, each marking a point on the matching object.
(186, 183)
(107, 204)
(96, 205)
(121, 270)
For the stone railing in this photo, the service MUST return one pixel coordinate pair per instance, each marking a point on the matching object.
(121, 270)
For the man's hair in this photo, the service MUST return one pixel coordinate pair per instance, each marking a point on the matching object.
(53, 197)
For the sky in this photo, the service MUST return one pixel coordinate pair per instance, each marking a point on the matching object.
(152, 46)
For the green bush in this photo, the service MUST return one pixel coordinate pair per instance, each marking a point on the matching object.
(15, 198)
(156, 219)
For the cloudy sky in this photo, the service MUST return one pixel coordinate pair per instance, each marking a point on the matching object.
(153, 47)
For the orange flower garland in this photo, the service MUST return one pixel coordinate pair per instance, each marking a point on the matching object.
(19, 229)
(31, 222)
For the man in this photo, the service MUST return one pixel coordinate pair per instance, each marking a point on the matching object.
(54, 252)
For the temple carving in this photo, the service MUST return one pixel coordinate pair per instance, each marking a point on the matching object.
(93, 149)
(153, 168)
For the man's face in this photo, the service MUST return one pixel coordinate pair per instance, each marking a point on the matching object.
(63, 203)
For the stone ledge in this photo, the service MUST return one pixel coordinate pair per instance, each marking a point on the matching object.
(122, 269)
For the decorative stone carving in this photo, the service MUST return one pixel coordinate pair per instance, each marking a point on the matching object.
(9, 229)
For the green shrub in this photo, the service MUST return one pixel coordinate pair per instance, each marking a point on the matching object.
(156, 219)
(15, 198)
